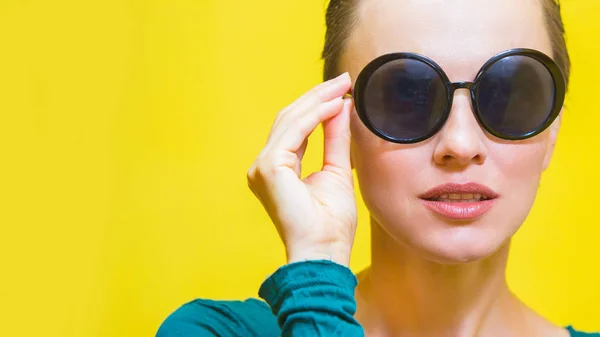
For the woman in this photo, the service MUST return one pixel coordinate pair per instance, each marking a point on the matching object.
(448, 170)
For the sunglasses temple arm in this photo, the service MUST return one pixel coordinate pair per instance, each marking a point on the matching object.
(349, 94)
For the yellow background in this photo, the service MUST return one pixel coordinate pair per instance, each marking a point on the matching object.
(127, 128)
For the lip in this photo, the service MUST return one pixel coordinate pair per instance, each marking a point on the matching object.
(459, 210)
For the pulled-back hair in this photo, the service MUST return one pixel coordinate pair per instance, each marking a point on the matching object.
(341, 18)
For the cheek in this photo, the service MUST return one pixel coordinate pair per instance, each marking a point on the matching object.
(517, 170)
(378, 162)
(388, 174)
(387, 183)
(518, 163)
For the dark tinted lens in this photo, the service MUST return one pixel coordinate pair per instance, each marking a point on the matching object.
(405, 99)
(515, 96)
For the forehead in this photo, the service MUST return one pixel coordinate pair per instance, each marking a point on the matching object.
(460, 35)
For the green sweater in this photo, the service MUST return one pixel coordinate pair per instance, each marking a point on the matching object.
(313, 298)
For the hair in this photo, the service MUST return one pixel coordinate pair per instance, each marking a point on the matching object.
(341, 18)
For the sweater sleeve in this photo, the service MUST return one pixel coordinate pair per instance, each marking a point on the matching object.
(209, 318)
(313, 298)
(575, 333)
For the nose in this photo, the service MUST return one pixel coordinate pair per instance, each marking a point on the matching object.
(461, 140)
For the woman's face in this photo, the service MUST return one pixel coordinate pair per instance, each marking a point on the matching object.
(459, 35)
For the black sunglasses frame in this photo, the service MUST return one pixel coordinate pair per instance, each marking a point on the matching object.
(358, 92)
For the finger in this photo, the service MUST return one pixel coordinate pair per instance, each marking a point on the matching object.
(311, 103)
(300, 154)
(302, 150)
(292, 139)
(322, 93)
(336, 135)
(302, 98)
(342, 78)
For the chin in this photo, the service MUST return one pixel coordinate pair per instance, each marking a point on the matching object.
(458, 255)
(463, 244)
(456, 243)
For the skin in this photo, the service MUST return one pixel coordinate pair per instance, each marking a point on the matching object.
(462, 152)
(429, 276)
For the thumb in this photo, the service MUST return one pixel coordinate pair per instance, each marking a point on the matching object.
(337, 139)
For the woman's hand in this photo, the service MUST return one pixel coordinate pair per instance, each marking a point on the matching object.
(315, 216)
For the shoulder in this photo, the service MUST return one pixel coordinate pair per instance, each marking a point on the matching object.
(205, 317)
(575, 333)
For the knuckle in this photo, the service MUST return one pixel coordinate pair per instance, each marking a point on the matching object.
(308, 123)
(323, 85)
(263, 166)
(316, 89)
(250, 175)
(342, 173)
(279, 116)
(315, 99)
(257, 168)
(321, 96)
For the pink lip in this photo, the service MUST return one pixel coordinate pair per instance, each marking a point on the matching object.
(460, 210)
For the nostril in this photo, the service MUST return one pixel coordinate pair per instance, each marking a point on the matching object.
(478, 159)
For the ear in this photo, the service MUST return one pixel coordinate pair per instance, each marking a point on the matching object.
(552, 140)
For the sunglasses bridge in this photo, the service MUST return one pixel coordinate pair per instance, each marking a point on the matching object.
(461, 85)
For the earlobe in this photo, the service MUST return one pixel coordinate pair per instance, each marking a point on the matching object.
(552, 140)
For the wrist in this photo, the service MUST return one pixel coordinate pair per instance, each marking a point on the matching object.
(337, 253)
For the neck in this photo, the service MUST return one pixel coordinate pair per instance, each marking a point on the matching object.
(403, 294)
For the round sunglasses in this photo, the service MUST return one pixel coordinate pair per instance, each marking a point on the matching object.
(406, 97)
